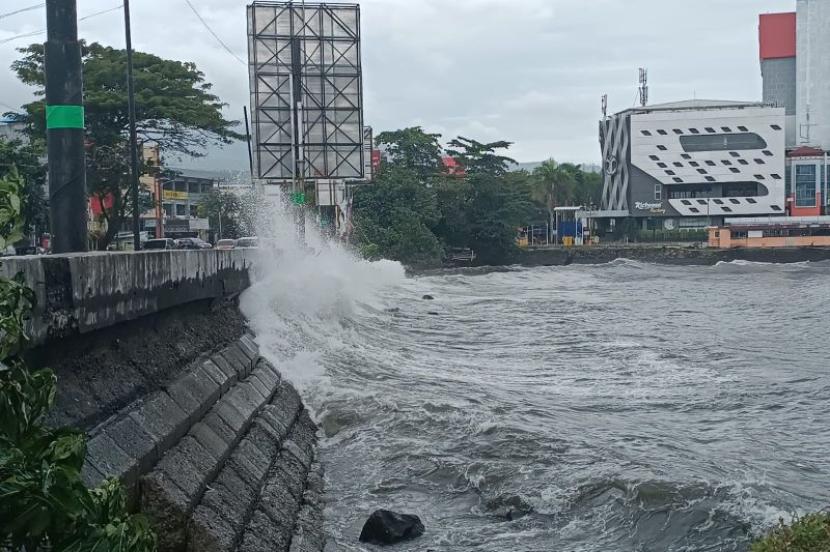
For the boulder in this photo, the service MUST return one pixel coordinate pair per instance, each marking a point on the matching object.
(385, 527)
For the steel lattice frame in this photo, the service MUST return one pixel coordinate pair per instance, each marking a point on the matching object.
(314, 51)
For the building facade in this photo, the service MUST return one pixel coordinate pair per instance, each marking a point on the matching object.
(691, 163)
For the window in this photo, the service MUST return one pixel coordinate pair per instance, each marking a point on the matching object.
(727, 162)
(168, 185)
(193, 187)
(775, 127)
(168, 209)
(735, 169)
(662, 165)
(743, 161)
(734, 154)
(760, 162)
(694, 164)
(775, 207)
(662, 148)
(662, 132)
(678, 179)
(658, 192)
(743, 129)
(694, 131)
(654, 158)
(694, 209)
(181, 209)
(718, 202)
(776, 176)
(710, 163)
(678, 164)
(734, 202)
(686, 202)
(710, 130)
(194, 211)
(685, 156)
(670, 173)
(768, 153)
(726, 209)
(702, 171)
(805, 185)
(740, 189)
(726, 129)
(723, 142)
(759, 177)
(688, 191)
(646, 133)
(677, 131)
(750, 200)
(710, 179)
(702, 202)
(207, 187)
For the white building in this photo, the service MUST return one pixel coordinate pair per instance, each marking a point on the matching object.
(693, 162)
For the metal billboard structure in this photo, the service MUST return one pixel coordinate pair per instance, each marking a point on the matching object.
(306, 91)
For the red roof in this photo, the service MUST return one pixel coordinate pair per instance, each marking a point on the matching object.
(806, 151)
(452, 166)
(777, 34)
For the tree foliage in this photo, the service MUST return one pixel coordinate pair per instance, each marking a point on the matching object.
(413, 149)
(44, 504)
(481, 159)
(810, 533)
(22, 160)
(175, 109)
(226, 211)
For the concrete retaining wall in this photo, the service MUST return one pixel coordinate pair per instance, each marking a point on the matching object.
(81, 293)
(218, 451)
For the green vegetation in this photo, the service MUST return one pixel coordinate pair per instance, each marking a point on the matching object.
(20, 160)
(44, 504)
(174, 109)
(415, 211)
(810, 533)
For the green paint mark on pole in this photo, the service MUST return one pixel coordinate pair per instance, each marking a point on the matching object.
(298, 198)
(64, 116)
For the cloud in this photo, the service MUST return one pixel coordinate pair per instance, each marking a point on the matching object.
(528, 71)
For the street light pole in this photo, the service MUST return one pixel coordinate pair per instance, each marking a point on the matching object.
(133, 138)
(65, 128)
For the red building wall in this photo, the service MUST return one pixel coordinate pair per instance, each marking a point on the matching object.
(777, 35)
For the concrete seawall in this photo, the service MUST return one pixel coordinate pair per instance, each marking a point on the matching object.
(155, 363)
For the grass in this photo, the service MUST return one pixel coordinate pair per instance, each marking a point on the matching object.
(810, 533)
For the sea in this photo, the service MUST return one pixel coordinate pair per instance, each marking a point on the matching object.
(613, 407)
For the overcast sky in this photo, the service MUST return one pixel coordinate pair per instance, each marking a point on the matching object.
(528, 71)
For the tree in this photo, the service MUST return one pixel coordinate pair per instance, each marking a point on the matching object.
(25, 160)
(174, 109)
(413, 149)
(393, 218)
(224, 210)
(478, 158)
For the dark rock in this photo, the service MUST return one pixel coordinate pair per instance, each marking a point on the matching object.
(385, 527)
(433, 313)
(509, 507)
(427, 297)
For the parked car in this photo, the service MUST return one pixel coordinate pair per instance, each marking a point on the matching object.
(225, 245)
(160, 243)
(247, 242)
(192, 243)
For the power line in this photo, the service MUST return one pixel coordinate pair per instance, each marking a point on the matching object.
(35, 33)
(21, 10)
(219, 40)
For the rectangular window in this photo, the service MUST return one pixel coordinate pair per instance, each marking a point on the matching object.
(805, 185)
(740, 189)
(645, 133)
(194, 211)
(722, 142)
(658, 192)
(181, 209)
(168, 209)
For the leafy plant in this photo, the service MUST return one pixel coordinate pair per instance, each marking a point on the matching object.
(44, 504)
(810, 533)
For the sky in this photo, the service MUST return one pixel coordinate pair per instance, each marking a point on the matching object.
(528, 71)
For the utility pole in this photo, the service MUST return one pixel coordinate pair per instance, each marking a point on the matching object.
(65, 128)
(133, 138)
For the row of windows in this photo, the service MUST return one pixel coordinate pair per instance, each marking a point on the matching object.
(726, 209)
(179, 210)
(695, 164)
(191, 187)
(710, 130)
(712, 163)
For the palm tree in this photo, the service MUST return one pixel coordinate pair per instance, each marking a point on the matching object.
(554, 184)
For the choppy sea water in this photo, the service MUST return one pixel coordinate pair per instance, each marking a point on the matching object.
(624, 406)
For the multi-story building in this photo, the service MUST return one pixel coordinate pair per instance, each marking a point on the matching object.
(796, 74)
(182, 191)
(689, 164)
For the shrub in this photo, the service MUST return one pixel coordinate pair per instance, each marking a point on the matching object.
(810, 533)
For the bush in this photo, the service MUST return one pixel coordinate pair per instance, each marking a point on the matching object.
(810, 533)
